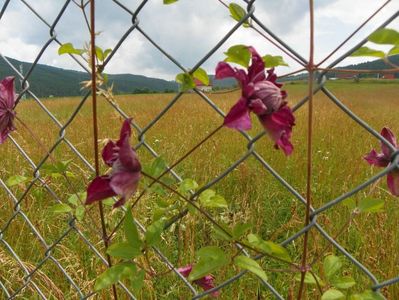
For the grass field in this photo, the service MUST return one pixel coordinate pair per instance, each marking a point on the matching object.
(253, 194)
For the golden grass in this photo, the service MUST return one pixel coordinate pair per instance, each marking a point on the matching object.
(253, 194)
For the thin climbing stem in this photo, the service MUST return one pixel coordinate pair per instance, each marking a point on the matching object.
(311, 67)
(95, 125)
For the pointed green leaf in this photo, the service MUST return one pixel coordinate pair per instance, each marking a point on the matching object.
(187, 185)
(131, 232)
(137, 281)
(15, 180)
(268, 247)
(99, 53)
(332, 294)
(154, 231)
(332, 264)
(238, 54)
(366, 51)
(371, 205)
(114, 274)
(80, 212)
(61, 208)
(393, 51)
(68, 48)
(169, 1)
(251, 265)
(371, 295)
(385, 36)
(106, 53)
(310, 279)
(201, 75)
(273, 61)
(343, 283)
(240, 229)
(209, 198)
(210, 258)
(123, 250)
(238, 13)
(186, 82)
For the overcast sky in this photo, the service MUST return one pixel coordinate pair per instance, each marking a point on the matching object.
(187, 30)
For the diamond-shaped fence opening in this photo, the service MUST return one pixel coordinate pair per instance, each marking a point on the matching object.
(48, 255)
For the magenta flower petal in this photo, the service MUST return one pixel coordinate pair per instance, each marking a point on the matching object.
(125, 183)
(125, 130)
(279, 126)
(205, 282)
(256, 71)
(99, 189)
(7, 102)
(224, 70)
(109, 153)
(390, 137)
(128, 157)
(258, 107)
(393, 182)
(238, 116)
(377, 159)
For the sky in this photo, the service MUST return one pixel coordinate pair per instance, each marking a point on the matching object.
(187, 30)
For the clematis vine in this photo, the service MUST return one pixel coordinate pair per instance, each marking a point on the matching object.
(125, 175)
(7, 103)
(262, 95)
(384, 159)
(205, 282)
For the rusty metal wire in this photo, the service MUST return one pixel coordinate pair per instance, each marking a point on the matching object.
(30, 274)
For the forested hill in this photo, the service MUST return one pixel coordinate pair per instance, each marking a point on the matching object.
(46, 80)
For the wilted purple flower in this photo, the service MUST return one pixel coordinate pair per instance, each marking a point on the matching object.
(125, 175)
(261, 94)
(7, 102)
(205, 282)
(383, 159)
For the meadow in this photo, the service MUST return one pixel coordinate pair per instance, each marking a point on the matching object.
(253, 195)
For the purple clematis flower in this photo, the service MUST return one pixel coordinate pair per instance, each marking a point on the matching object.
(261, 94)
(7, 102)
(125, 175)
(383, 159)
(205, 282)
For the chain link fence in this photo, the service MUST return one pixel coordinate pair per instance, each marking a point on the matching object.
(35, 278)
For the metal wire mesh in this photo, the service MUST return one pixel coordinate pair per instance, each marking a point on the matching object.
(30, 273)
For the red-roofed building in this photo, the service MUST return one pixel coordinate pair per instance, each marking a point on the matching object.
(202, 87)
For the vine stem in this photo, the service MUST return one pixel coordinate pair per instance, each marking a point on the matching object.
(311, 68)
(95, 125)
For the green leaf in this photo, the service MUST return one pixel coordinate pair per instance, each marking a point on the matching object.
(238, 54)
(154, 231)
(79, 212)
(251, 265)
(68, 48)
(393, 51)
(106, 53)
(201, 75)
(114, 274)
(61, 208)
(268, 247)
(210, 258)
(77, 198)
(310, 279)
(123, 250)
(187, 185)
(209, 198)
(344, 283)
(186, 82)
(15, 180)
(240, 229)
(158, 166)
(131, 232)
(99, 53)
(366, 51)
(349, 203)
(169, 1)
(238, 13)
(332, 294)
(371, 205)
(371, 295)
(332, 264)
(385, 36)
(137, 281)
(273, 61)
